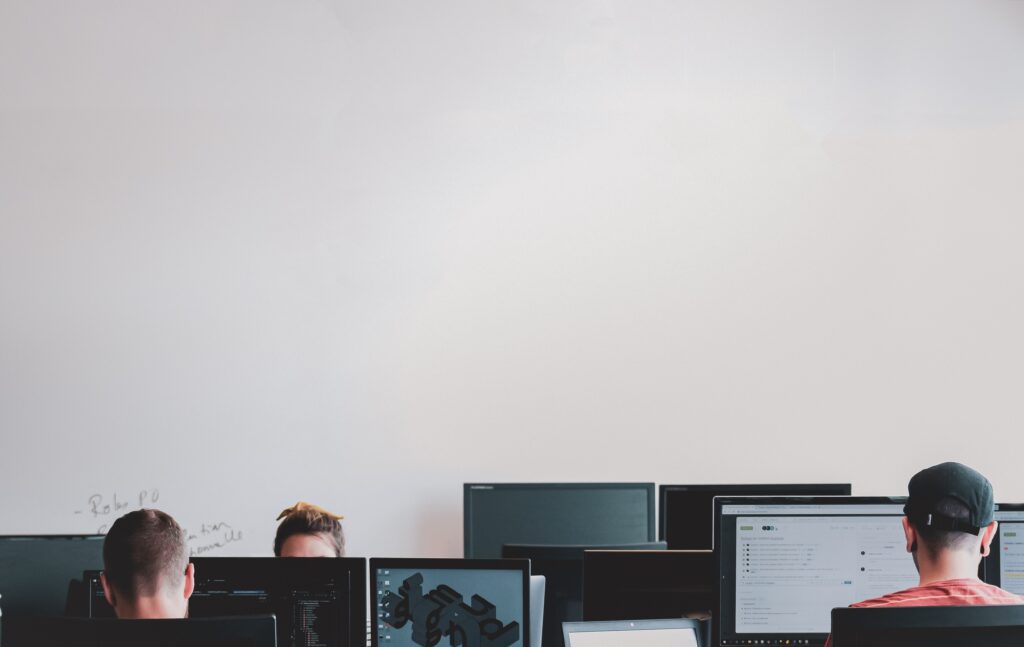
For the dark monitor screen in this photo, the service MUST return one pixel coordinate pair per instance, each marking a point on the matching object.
(556, 514)
(36, 571)
(970, 626)
(1004, 567)
(648, 585)
(424, 602)
(108, 632)
(687, 512)
(318, 601)
(562, 566)
(785, 563)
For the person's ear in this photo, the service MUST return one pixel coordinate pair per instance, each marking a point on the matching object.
(190, 580)
(108, 592)
(988, 535)
(911, 534)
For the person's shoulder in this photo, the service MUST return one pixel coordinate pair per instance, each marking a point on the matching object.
(952, 592)
(995, 594)
(892, 599)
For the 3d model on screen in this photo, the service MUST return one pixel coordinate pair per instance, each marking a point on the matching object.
(442, 612)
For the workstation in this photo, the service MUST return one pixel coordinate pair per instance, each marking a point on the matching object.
(778, 568)
(630, 321)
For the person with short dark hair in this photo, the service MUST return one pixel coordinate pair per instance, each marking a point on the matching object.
(307, 530)
(146, 570)
(949, 527)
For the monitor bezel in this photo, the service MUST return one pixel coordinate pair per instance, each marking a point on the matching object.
(260, 630)
(738, 489)
(593, 626)
(924, 617)
(575, 552)
(427, 563)
(468, 488)
(720, 502)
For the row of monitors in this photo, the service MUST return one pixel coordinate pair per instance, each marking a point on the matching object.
(316, 601)
(779, 566)
(603, 514)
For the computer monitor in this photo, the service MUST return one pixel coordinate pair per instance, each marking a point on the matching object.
(255, 631)
(633, 633)
(970, 626)
(317, 600)
(1004, 567)
(687, 512)
(538, 587)
(420, 602)
(563, 568)
(36, 571)
(648, 585)
(495, 514)
(785, 563)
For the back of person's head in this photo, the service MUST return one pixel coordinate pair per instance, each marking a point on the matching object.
(950, 507)
(145, 559)
(307, 530)
(936, 539)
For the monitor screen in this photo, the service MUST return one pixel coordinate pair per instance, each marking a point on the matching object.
(36, 571)
(319, 602)
(1004, 567)
(687, 512)
(784, 564)
(632, 633)
(563, 568)
(634, 585)
(422, 602)
(555, 513)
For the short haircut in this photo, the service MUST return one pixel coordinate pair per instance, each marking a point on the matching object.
(937, 539)
(143, 551)
(311, 521)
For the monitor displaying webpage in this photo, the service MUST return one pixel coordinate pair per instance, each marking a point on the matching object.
(1006, 562)
(790, 565)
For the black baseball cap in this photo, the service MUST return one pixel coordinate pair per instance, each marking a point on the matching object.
(950, 481)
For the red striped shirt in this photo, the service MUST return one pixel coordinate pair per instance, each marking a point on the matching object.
(965, 592)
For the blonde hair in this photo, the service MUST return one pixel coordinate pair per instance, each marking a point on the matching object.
(309, 519)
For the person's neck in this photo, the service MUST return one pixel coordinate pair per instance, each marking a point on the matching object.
(149, 608)
(947, 565)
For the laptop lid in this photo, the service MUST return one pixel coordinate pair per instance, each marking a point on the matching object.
(632, 633)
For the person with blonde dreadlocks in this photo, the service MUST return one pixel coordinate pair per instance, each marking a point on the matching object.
(308, 530)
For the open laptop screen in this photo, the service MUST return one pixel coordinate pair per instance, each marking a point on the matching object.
(632, 633)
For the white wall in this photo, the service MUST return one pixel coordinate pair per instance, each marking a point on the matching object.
(360, 252)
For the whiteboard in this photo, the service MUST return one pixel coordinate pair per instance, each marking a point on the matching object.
(360, 253)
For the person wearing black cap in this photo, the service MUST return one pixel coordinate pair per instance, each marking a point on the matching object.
(949, 524)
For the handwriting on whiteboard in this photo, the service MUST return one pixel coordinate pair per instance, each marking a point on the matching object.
(210, 537)
(105, 509)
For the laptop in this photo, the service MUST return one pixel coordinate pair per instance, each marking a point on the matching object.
(632, 633)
